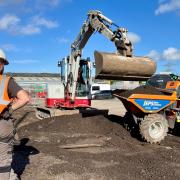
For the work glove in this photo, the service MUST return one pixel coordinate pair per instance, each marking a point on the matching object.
(8, 113)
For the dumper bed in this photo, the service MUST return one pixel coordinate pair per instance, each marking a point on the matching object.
(145, 99)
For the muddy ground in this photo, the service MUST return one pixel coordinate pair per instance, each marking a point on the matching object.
(90, 147)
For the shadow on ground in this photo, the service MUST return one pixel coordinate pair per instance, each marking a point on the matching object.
(21, 156)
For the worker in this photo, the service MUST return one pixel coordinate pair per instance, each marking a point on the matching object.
(12, 97)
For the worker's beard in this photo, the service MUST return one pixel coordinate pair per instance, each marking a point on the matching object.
(2, 70)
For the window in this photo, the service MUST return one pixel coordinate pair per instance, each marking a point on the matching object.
(95, 88)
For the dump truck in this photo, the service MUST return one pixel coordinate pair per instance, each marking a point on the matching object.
(73, 92)
(152, 109)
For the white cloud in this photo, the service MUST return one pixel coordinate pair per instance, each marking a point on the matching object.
(162, 1)
(134, 38)
(55, 2)
(9, 47)
(26, 8)
(171, 54)
(154, 55)
(30, 6)
(8, 2)
(28, 30)
(37, 3)
(171, 5)
(42, 4)
(13, 25)
(22, 22)
(40, 21)
(8, 21)
(62, 40)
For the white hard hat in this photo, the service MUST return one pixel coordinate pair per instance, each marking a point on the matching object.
(3, 57)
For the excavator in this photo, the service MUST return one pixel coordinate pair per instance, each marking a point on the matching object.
(74, 90)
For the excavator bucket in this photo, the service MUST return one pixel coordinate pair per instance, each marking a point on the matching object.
(112, 66)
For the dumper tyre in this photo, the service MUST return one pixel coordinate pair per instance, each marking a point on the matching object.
(154, 128)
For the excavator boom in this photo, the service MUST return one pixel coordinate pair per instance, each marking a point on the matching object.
(121, 65)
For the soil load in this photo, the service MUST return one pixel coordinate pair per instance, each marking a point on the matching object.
(146, 89)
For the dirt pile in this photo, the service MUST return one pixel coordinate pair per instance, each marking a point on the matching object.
(114, 155)
(76, 125)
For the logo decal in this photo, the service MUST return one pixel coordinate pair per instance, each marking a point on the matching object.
(151, 104)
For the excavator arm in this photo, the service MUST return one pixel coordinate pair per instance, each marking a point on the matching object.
(97, 22)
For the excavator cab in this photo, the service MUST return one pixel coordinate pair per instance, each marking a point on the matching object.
(84, 78)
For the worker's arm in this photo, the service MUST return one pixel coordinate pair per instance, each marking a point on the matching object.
(22, 98)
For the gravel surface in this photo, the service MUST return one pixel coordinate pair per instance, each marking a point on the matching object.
(95, 147)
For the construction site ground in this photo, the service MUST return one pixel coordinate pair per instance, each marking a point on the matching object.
(90, 146)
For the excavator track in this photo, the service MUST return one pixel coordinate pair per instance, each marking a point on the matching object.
(43, 112)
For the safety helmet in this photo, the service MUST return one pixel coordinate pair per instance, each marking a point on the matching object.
(3, 57)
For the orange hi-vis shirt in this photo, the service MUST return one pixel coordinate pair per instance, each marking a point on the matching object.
(4, 98)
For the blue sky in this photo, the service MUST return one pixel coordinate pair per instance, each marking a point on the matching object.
(36, 34)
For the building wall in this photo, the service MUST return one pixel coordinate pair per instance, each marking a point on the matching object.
(36, 87)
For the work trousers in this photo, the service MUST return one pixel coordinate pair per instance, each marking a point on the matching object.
(6, 144)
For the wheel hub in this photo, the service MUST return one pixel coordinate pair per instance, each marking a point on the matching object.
(156, 130)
